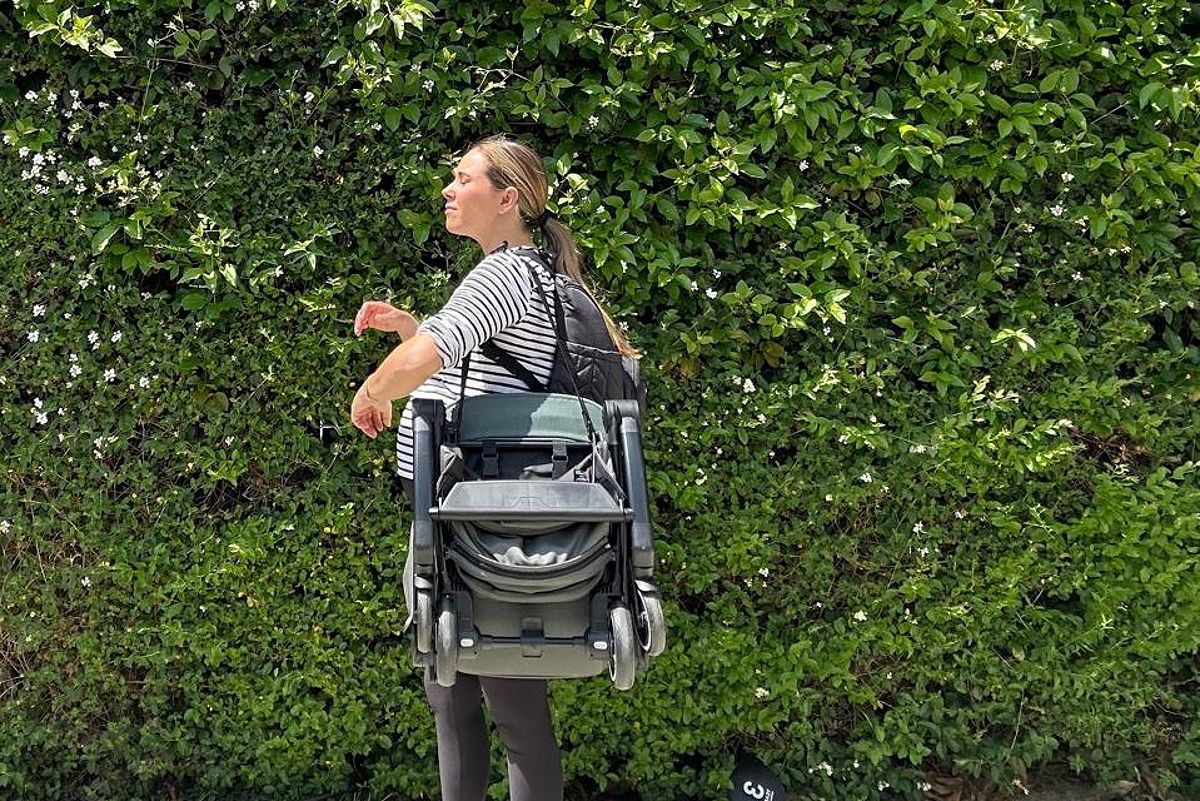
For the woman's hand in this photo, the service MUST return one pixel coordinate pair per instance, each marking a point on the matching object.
(370, 415)
(385, 317)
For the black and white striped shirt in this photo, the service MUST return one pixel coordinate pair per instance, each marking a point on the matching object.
(497, 301)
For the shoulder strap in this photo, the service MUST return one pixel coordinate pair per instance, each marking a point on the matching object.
(507, 361)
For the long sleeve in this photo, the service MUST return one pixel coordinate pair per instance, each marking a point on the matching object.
(494, 296)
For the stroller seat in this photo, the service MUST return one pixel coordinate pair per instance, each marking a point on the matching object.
(532, 554)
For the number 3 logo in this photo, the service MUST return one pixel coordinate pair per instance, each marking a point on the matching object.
(756, 791)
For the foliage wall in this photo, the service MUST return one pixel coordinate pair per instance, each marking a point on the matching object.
(916, 285)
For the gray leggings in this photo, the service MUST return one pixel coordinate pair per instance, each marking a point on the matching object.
(521, 711)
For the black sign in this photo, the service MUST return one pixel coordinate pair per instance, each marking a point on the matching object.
(753, 781)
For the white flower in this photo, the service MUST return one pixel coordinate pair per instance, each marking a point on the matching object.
(883, 786)
(923, 551)
(228, 441)
(42, 418)
(23, 152)
(75, 370)
(31, 95)
(308, 97)
(94, 162)
(1057, 210)
(747, 385)
(918, 528)
(593, 121)
(37, 403)
(5, 526)
(427, 85)
(317, 151)
(711, 293)
(116, 337)
(1067, 177)
(860, 616)
(1076, 276)
(85, 581)
(996, 65)
(761, 692)
(803, 165)
(144, 382)
(694, 286)
(110, 374)
(189, 86)
(857, 148)
(32, 335)
(866, 478)
(93, 337)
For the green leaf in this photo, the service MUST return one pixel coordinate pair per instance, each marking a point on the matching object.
(101, 237)
(1148, 92)
(335, 54)
(391, 118)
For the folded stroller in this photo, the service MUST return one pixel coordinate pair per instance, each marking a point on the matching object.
(532, 549)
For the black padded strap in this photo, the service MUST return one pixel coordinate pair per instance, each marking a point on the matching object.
(508, 362)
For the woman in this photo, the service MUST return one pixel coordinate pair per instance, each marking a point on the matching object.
(497, 196)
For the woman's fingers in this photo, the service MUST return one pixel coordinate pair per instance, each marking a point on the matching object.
(368, 313)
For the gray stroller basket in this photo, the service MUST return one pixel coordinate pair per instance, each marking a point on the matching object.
(532, 550)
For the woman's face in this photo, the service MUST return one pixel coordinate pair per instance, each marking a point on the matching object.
(473, 205)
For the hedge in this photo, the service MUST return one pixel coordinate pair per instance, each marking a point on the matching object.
(916, 283)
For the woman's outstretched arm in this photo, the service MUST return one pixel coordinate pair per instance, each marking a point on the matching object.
(407, 367)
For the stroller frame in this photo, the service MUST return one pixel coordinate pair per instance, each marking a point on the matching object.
(622, 623)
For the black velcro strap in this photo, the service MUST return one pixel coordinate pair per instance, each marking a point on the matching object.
(559, 460)
(491, 459)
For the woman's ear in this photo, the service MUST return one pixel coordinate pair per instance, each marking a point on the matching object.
(515, 196)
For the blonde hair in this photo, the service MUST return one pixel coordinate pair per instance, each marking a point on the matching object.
(515, 164)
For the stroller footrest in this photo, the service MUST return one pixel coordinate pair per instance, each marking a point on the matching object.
(519, 499)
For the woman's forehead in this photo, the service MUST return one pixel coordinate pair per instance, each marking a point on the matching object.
(469, 163)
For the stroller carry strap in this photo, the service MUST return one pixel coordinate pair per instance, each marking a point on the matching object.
(493, 352)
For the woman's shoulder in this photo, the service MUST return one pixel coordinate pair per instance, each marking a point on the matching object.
(515, 264)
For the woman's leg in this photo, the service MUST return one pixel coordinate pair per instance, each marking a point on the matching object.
(462, 740)
(521, 711)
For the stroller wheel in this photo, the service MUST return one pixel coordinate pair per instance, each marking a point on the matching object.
(446, 655)
(424, 622)
(652, 628)
(622, 664)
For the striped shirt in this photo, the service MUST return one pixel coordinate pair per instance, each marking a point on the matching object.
(497, 300)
